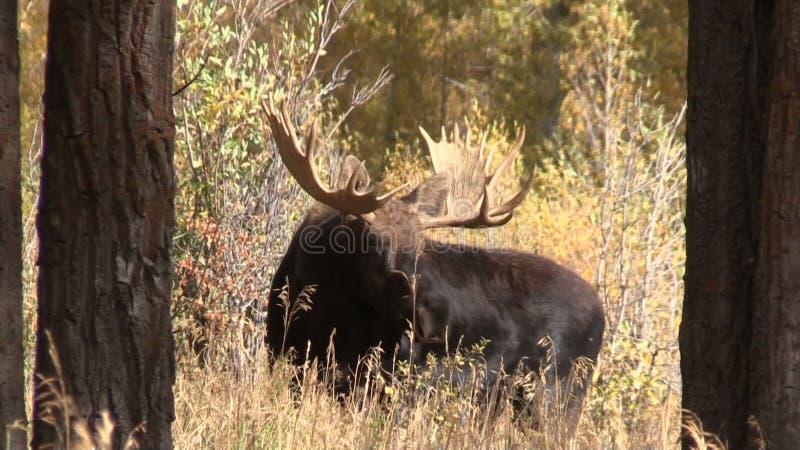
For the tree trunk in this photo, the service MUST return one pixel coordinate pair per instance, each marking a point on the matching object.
(775, 348)
(12, 388)
(739, 337)
(724, 153)
(106, 216)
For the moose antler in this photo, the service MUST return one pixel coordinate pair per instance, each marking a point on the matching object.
(469, 202)
(351, 199)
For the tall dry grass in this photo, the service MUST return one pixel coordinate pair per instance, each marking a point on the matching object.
(270, 408)
(281, 406)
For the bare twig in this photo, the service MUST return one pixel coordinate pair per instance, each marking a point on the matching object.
(193, 79)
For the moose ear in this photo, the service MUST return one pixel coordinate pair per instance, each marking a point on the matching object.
(397, 294)
(350, 166)
(397, 285)
(430, 196)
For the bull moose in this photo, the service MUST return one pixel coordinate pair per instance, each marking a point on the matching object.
(374, 271)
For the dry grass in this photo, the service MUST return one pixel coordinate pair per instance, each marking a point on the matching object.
(73, 430)
(266, 408)
(695, 436)
(263, 411)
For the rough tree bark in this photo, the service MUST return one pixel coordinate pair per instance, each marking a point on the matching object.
(775, 347)
(12, 404)
(740, 336)
(106, 215)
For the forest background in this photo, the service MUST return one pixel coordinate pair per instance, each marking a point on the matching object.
(599, 86)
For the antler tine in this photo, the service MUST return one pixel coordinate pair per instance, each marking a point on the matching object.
(425, 137)
(487, 215)
(302, 166)
(488, 160)
(311, 144)
(513, 202)
(506, 163)
(351, 184)
(385, 197)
